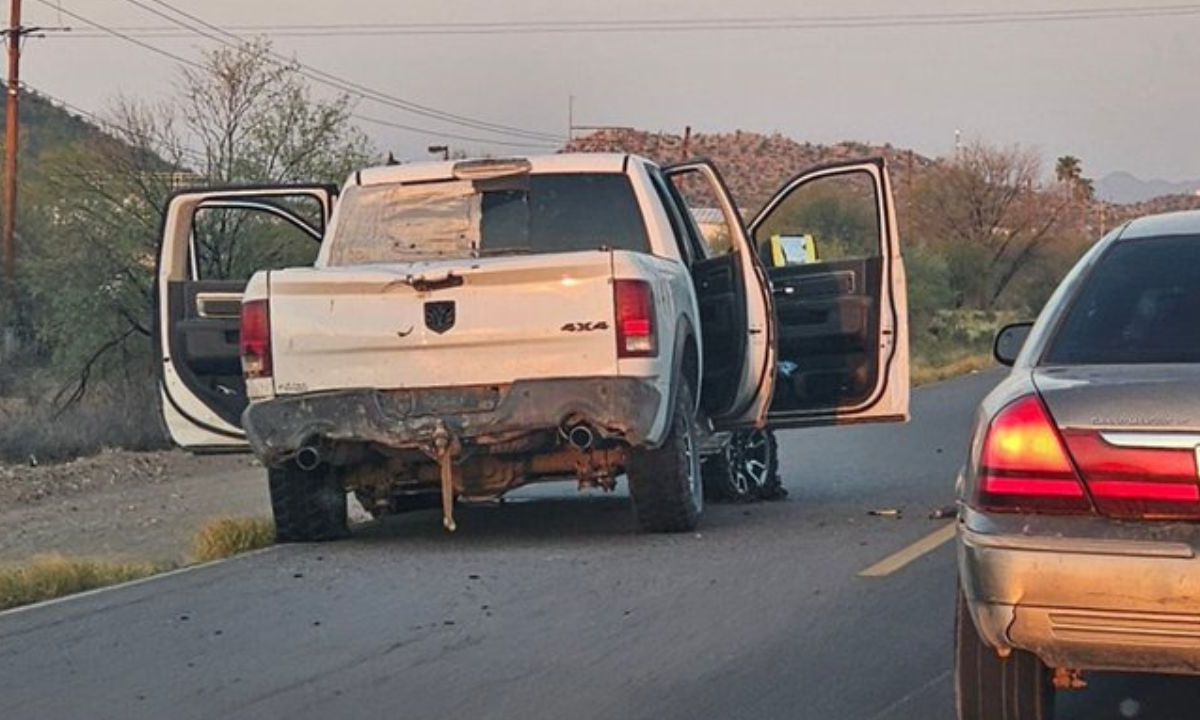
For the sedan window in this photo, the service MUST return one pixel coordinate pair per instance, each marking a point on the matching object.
(1141, 304)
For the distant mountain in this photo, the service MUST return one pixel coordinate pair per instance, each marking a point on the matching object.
(1124, 188)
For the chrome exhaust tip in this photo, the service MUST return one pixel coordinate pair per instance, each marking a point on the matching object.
(308, 458)
(581, 437)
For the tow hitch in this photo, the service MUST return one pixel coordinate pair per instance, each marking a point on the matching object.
(445, 447)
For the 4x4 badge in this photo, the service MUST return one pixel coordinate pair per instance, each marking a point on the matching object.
(584, 326)
(440, 315)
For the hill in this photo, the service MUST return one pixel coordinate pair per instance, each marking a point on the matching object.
(1125, 188)
(754, 165)
(46, 126)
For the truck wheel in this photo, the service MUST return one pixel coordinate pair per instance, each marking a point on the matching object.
(747, 469)
(309, 505)
(665, 483)
(989, 687)
(720, 482)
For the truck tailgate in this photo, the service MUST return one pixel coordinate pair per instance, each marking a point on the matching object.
(380, 326)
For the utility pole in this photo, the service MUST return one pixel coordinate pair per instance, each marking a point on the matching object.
(11, 134)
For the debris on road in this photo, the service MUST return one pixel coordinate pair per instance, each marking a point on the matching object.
(894, 513)
(946, 511)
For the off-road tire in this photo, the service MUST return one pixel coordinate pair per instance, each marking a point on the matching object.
(720, 483)
(989, 687)
(309, 505)
(665, 483)
(746, 469)
(772, 486)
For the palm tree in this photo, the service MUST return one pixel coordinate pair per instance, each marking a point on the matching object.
(1068, 169)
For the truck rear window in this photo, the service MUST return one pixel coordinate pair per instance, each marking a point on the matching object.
(541, 213)
(1140, 304)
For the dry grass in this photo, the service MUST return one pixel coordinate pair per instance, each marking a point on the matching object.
(923, 374)
(50, 576)
(46, 577)
(226, 537)
(109, 417)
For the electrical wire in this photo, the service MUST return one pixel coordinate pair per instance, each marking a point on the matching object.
(341, 83)
(760, 23)
(428, 132)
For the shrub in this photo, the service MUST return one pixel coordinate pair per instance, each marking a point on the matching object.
(50, 576)
(110, 416)
(225, 537)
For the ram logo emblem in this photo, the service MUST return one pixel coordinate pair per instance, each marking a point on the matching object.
(584, 326)
(440, 316)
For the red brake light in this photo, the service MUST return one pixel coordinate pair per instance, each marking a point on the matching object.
(256, 339)
(1025, 466)
(1137, 482)
(636, 334)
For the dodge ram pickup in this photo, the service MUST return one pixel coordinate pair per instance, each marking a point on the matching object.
(447, 332)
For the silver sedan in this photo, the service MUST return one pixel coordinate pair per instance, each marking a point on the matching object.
(1080, 501)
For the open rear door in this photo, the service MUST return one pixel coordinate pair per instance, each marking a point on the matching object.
(733, 297)
(212, 241)
(828, 240)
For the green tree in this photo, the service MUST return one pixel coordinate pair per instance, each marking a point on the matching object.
(245, 118)
(986, 216)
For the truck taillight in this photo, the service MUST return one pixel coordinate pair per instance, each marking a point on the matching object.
(636, 332)
(256, 339)
(1025, 467)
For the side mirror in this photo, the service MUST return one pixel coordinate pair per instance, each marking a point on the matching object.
(792, 250)
(1009, 342)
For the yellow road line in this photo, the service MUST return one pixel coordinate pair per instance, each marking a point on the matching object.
(895, 561)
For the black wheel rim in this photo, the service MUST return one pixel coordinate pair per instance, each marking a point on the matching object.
(751, 461)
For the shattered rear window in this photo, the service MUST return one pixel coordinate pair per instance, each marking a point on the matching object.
(534, 214)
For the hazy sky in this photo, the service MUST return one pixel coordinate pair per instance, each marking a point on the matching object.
(1121, 94)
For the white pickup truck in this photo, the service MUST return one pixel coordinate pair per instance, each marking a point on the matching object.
(460, 329)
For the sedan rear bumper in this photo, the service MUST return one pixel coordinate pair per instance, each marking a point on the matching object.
(1085, 603)
(620, 408)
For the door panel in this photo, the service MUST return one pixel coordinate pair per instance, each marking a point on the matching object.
(828, 322)
(212, 241)
(721, 295)
(829, 241)
(731, 290)
(205, 343)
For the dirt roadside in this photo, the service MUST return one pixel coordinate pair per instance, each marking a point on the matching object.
(123, 505)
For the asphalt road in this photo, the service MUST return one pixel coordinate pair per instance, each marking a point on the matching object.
(552, 607)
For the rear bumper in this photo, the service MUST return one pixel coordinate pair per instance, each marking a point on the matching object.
(1090, 602)
(623, 408)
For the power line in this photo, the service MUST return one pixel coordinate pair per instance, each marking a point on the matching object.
(453, 136)
(429, 132)
(759, 23)
(122, 35)
(343, 84)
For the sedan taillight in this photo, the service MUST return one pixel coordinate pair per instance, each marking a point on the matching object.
(256, 339)
(1025, 467)
(1136, 482)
